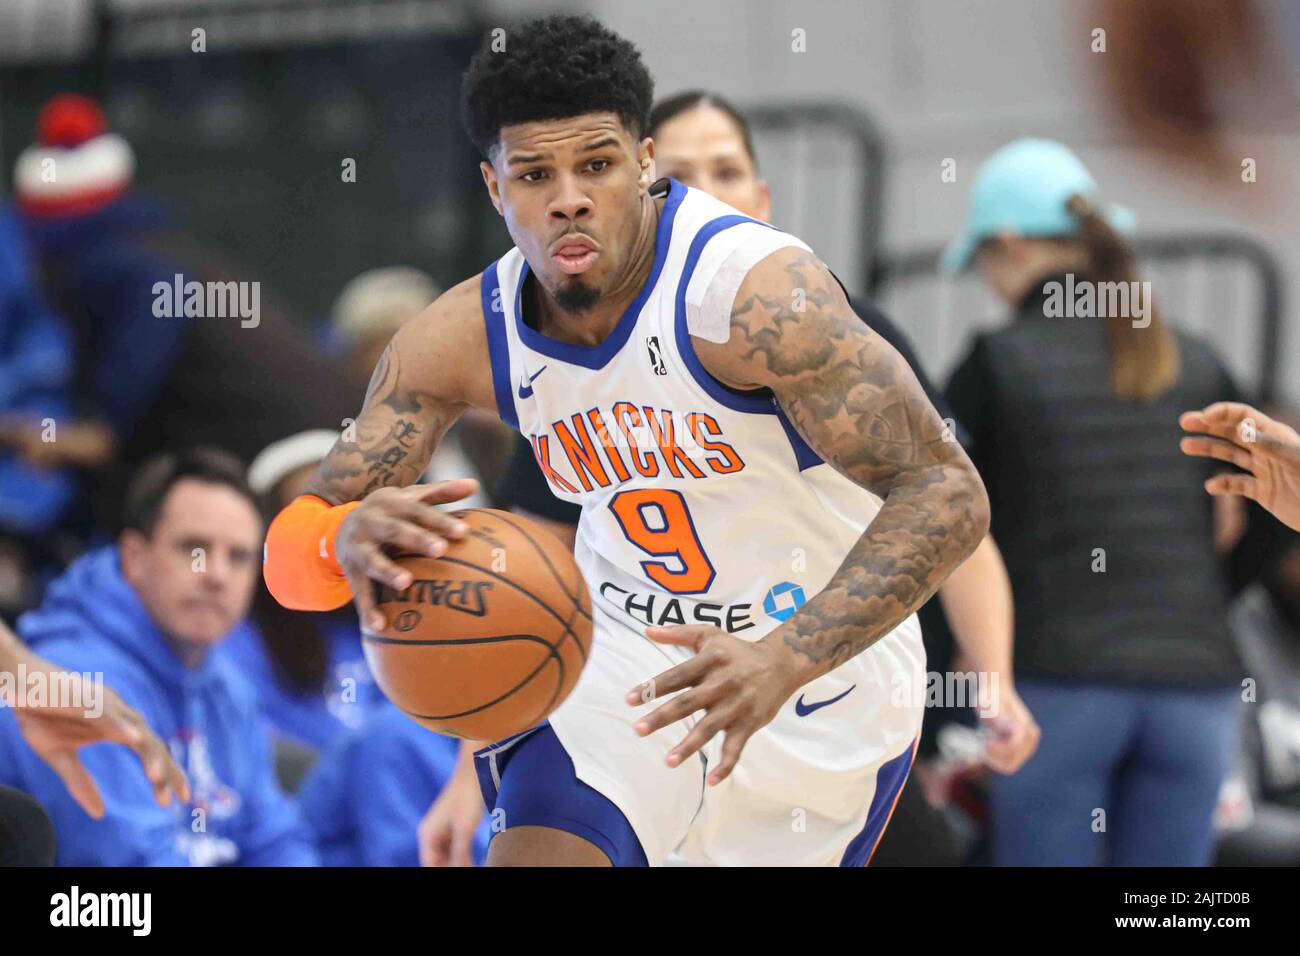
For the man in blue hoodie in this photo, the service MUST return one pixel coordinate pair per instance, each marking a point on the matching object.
(146, 614)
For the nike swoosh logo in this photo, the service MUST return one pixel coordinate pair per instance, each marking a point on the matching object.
(803, 710)
(526, 388)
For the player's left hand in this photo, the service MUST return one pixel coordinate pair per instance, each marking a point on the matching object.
(739, 684)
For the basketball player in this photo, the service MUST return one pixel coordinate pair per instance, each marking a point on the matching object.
(756, 594)
(1267, 449)
(704, 141)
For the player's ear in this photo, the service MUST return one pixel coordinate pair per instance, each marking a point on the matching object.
(646, 157)
(764, 200)
(492, 184)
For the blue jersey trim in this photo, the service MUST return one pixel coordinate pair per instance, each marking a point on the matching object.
(803, 452)
(758, 401)
(539, 788)
(598, 356)
(890, 779)
(498, 347)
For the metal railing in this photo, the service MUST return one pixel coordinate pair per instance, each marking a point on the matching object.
(825, 162)
(1226, 288)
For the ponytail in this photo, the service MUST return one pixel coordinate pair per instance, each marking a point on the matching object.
(1144, 361)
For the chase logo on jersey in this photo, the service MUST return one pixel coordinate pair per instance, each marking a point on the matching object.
(783, 600)
(665, 610)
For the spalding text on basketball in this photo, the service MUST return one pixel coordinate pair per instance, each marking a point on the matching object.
(469, 597)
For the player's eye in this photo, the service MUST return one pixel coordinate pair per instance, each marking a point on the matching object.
(187, 546)
(598, 165)
(532, 176)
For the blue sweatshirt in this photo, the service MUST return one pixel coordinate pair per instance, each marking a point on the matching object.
(36, 363)
(313, 719)
(367, 793)
(104, 265)
(92, 621)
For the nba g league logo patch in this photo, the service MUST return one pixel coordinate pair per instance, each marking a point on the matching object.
(656, 355)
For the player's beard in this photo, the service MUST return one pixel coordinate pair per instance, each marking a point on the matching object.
(576, 296)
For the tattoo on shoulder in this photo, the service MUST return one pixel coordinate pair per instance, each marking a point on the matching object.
(858, 405)
(857, 401)
(391, 441)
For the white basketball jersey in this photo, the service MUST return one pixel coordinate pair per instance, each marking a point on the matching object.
(700, 503)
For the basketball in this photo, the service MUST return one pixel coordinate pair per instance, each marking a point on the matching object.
(490, 637)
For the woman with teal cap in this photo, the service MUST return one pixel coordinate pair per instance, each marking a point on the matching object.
(1123, 650)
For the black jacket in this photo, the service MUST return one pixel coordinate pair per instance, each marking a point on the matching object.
(1104, 523)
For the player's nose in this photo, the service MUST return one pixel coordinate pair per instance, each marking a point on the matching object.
(570, 202)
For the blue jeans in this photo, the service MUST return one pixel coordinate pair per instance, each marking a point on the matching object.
(1125, 776)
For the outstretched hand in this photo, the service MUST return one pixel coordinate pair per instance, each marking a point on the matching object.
(57, 735)
(1266, 449)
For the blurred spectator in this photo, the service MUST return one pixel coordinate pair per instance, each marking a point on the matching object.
(308, 669)
(367, 313)
(158, 375)
(36, 364)
(370, 310)
(65, 713)
(1123, 651)
(1220, 79)
(147, 613)
(36, 370)
(1265, 830)
(365, 797)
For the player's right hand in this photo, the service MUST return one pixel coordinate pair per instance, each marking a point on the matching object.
(392, 521)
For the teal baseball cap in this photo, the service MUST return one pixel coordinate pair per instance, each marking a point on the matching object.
(1023, 188)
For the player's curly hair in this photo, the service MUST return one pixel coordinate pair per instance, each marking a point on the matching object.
(552, 68)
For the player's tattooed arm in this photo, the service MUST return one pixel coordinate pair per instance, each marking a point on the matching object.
(435, 367)
(859, 406)
(426, 379)
(391, 441)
